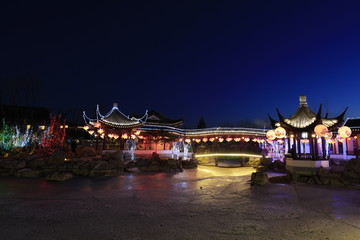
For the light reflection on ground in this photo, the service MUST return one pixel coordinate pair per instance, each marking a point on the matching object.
(203, 203)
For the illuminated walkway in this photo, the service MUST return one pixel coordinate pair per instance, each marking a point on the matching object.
(207, 203)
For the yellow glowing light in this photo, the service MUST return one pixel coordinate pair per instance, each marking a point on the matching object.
(42, 127)
(115, 136)
(246, 139)
(355, 137)
(229, 139)
(221, 139)
(237, 139)
(188, 140)
(102, 135)
(101, 131)
(137, 132)
(197, 140)
(86, 128)
(211, 139)
(321, 130)
(61, 126)
(28, 126)
(133, 136)
(124, 136)
(280, 132)
(91, 132)
(227, 155)
(97, 125)
(110, 135)
(204, 139)
(344, 132)
(270, 135)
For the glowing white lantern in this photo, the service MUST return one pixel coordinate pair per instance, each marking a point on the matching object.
(320, 130)
(344, 132)
(205, 139)
(270, 135)
(221, 139)
(280, 132)
(328, 135)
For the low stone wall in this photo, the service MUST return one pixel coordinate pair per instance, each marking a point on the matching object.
(60, 165)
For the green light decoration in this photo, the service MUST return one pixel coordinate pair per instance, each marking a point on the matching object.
(6, 137)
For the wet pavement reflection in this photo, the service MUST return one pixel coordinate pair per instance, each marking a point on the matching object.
(213, 202)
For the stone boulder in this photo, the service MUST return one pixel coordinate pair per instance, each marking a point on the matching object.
(57, 158)
(58, 176)
(12, 163)
(28, 173)
(259, 178)
(254, 161)
(86, 151)
(352, 170)
(116, 159)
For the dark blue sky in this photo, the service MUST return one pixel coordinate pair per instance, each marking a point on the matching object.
(224, 60)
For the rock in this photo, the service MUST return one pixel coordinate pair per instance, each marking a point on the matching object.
(278, 166)
(303, 179)
(36, 163)
(151, 168)
(260, 169)
(336, 182)
(28, 172)
(57, 158)
(101, 165)
(259, 178)
(117, 160)
(104, 172)
(81, 172)
(58, 176)
(254, 161)
(143, 162)
(352, 169)
(325, 180)
(12, 164)
(86, 151)
(323, 172)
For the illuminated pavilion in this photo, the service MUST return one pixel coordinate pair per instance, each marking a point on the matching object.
(154, 132)
(308, 135)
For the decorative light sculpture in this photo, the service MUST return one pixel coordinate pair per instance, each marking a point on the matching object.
(247, 139)
(211, 139)
(321, 130)
(280, 132)
(344, 132)
(115, 136)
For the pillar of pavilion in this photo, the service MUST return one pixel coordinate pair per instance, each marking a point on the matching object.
(114, 125)
(308, 150)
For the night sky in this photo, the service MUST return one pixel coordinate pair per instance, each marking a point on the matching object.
(227, 61)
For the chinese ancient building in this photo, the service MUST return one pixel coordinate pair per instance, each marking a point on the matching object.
(308, 135)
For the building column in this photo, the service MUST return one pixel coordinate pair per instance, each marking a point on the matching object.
(344, 149)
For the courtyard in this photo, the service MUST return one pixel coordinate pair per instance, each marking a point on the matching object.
(204, 203)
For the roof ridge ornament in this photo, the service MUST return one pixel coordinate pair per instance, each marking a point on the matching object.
(303, 101)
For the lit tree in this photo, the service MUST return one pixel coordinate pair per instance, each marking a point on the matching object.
(54, 136)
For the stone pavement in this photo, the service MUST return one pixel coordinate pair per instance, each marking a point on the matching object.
(207, 203)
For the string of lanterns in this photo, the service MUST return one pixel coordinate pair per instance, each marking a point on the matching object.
(320, 130)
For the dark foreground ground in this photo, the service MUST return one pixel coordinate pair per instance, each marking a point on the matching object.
(207, 203)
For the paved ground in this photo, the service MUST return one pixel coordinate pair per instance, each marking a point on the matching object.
(207, 203)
